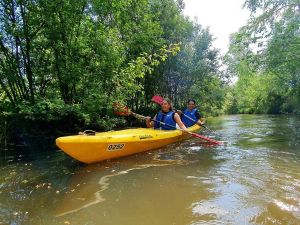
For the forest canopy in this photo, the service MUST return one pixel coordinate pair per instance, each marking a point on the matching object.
(70, 60)
(61, 57)
(265, 57)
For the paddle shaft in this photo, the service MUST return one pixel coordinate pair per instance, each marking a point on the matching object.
(158, 100)
(197, 122)
(128, 112)
(193, 134)
(159, 122)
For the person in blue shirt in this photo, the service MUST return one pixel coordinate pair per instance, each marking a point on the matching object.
(191, 115)
(166, 119)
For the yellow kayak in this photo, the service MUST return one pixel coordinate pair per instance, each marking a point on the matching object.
(115, 144)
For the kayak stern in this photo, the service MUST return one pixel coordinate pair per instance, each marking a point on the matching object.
(115, 144)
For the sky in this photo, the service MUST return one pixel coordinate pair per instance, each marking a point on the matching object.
(222, 16)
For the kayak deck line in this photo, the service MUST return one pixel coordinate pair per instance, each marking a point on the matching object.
(116, 144)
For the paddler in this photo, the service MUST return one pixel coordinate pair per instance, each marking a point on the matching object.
(191, 116)
(166, 119)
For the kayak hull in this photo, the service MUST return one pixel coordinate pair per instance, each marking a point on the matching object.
(116, 144)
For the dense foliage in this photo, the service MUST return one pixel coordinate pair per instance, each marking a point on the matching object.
(72, 59)
(265, 56)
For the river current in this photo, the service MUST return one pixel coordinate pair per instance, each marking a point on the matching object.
(253, 179)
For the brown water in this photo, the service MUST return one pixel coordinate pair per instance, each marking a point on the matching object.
(254, 179)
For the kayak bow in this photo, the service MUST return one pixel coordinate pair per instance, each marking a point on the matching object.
(116, 144)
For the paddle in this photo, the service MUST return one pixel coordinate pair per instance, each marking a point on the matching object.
(121, 110)
(159, 100)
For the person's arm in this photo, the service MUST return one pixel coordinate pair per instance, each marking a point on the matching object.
(201, 119)
(180, 123)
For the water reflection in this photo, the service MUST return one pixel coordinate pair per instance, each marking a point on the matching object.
(254, 179)
(145, 179)
(268, 168)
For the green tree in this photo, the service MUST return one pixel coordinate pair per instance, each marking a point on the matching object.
(268, 47)
(70, 60)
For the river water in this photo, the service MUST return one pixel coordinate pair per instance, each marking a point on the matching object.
(253, 179)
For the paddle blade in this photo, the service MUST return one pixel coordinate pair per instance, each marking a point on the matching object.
(121, 110)
(207, 139)
(157, 99)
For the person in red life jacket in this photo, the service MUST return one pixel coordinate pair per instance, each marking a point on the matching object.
(166, 119)
(191, 115)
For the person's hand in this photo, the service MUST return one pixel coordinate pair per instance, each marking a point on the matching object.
(148, 119)
(179, 112)
(201, 123)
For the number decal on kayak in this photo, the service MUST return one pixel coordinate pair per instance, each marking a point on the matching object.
(115, 147)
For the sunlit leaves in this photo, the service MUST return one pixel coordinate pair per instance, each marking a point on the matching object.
(64, 58)
(265, 55)
(124, 80)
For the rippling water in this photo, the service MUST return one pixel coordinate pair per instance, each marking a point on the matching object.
(253, 179)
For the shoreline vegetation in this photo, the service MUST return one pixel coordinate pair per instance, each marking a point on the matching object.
(64, 63)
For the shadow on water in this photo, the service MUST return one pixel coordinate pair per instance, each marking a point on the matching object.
(74, 190)
(138, 187)
(254, 179)
(27, 182)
